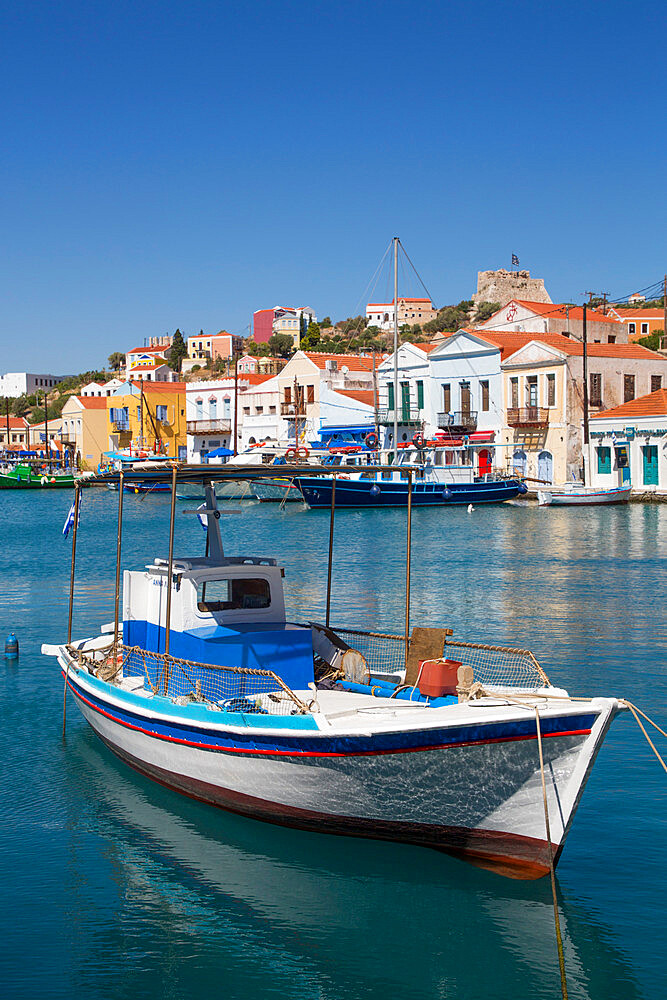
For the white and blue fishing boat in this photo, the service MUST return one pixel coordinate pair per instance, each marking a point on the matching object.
(203, 683)
(431, 476)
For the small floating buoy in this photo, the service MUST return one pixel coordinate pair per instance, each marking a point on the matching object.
(11, 647)
(470, 508)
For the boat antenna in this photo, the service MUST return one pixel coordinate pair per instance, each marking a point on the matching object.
(396, 241)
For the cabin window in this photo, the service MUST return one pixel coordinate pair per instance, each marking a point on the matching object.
(484, 393)
(241, 594)
(604, 461)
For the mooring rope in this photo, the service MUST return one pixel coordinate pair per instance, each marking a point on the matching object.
(637, 712)
(559, 938)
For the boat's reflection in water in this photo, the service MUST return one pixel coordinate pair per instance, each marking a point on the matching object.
(211, 901)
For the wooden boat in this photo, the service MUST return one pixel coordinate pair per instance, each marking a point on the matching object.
(207, 687)
(577, 495)
(26, 476)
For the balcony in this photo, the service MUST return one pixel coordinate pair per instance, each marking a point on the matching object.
(67, 441)
(293, 409)
(528, 416)
(121, 426)
(405, 415)
(208, 426)
(458, 421)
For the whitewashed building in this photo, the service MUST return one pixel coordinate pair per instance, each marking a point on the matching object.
(209, 415)
(15, 384)
(628, 445)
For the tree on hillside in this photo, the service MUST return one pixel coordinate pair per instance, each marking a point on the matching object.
(653, 340)
(485, 310)
(281, 344)
(178, 351)
(303, 327)
(311, 337)
(326, 322)
(450, 318)
(116, 361)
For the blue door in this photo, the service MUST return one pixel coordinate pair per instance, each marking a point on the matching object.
(545, 466)
(650, 464)
(520, 463)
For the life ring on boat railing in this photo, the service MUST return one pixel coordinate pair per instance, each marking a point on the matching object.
(371, 440)
(302, 451)
(418, 440)
(291, 453)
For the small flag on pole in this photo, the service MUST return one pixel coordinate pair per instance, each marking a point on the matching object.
(69, 520)
(515, 260)
(201, 518)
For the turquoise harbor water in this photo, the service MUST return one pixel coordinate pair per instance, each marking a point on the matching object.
(115, 887)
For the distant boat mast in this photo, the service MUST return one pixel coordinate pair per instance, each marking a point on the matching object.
(396, 242)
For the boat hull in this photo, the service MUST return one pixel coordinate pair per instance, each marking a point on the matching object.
(35, 483)
(276, 491)
(471, 792)
(368, 493)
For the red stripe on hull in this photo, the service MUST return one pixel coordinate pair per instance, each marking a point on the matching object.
(274, 752)
(506, 854)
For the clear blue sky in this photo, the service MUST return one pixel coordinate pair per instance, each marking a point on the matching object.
(182, 164)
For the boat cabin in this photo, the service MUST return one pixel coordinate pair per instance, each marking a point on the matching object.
(230, 612)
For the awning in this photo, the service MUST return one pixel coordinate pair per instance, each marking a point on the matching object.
(482, 436)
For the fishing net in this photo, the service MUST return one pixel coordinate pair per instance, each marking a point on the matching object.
(498, 666)
(384, 653)
(232, 689)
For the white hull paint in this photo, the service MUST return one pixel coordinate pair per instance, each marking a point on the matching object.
(582, 496)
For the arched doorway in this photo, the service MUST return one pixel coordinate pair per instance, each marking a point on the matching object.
(485, 463)
(520, 463)
(545, 466)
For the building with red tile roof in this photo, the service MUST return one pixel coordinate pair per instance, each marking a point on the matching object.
(410, 311)
(523, 316)
(640, 322)
(13, 433)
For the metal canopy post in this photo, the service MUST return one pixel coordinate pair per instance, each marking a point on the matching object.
(118, 548)
(77, 501)
(331, 538)
(170, 566)
(407, 568)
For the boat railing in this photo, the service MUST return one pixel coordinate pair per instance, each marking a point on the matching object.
(498, 666)
(224, 688)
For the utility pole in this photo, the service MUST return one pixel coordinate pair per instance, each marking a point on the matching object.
(590, 296)
(7, 416)
(585, 360)
(567, 314)
(236, 404)
(46, 424)
(605, 296)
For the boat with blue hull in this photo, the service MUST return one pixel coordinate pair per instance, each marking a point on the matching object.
(203, 684)
(393, 492)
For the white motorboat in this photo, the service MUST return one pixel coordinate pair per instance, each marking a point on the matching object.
(205, 686)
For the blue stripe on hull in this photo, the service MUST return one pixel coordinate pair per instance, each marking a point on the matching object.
(357, 493)
(303, 744)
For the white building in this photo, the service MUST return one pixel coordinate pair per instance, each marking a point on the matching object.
(410, 312)
(628, 445)
(15, 384)
(209, 415)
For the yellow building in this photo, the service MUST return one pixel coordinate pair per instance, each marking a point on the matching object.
(84, 429)
(148, 416)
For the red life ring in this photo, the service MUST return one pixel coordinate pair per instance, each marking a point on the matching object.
(418, 440)
(302, 452)
(291, 453)
(371, 440)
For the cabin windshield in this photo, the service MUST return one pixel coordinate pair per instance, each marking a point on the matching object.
(233, 594)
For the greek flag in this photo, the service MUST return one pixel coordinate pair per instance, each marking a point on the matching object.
(201, 518)
(69, 520)
(515, 260)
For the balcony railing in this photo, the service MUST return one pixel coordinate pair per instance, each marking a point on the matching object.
(293, 409)
(208, 426)
(528, 416)
(121, 425)
(406, 415)
(68, 442)
(458, 420)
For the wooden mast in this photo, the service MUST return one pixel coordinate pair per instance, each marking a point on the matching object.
(395, 348)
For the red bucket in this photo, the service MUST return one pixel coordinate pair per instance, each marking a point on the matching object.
(438, 678)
